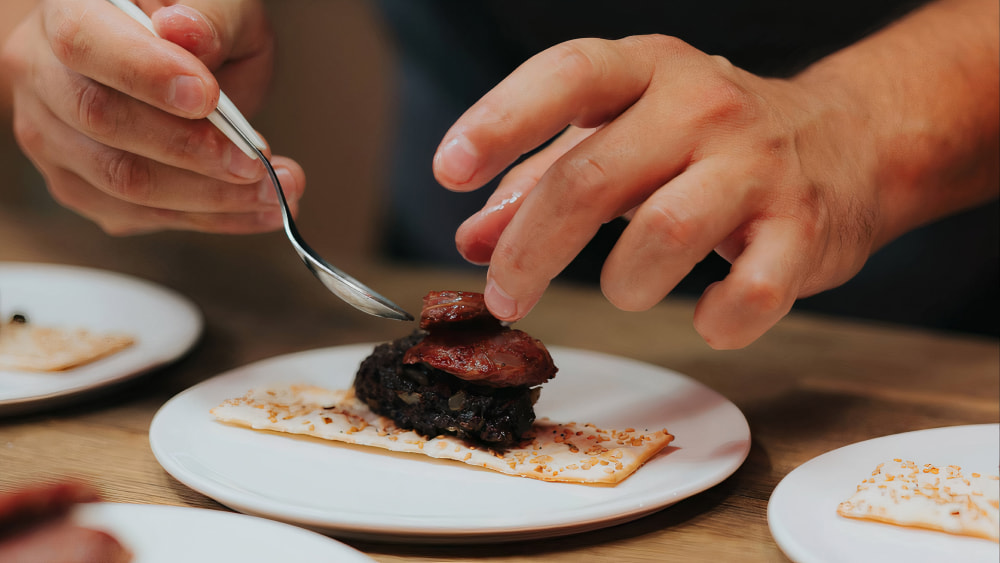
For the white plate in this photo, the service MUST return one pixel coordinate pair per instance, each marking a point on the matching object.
(802, 512)
(170, 534)
(369, 493)
(164, 323)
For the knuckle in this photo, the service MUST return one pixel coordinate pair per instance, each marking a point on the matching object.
(674, 229)
(723, 101)
(763, 294)
(507, 258)
(728, 101)
(93, 109)
(127, 176)
(200, 141)
(584, 172)
(581, 60)
(66, 42)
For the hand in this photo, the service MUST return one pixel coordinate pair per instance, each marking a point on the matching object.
(700, 154)
(32, 527)
(111, 115)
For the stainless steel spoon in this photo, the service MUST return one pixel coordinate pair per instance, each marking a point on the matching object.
(228, 119)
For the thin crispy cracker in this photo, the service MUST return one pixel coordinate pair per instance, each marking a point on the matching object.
(30, 347)
(943, 499)
(572, 453)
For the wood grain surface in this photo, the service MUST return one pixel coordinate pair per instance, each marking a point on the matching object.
(810, 385)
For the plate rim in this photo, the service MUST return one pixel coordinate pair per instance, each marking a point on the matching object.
(785, 539)
(131, 508)
(424, 533)
(15, 406)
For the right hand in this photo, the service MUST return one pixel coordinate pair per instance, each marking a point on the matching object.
(111, 115)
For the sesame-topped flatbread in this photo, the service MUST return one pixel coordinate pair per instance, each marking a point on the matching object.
(925, 496)
(571, 452)
(30, 347)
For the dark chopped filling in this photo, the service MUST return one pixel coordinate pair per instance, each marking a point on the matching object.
(433, 402)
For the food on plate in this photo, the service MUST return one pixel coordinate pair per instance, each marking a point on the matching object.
(571, 452)
(925, 496)
(463, 373)
(27, 346)
(463, 387)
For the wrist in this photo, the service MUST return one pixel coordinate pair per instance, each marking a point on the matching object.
(924, 91)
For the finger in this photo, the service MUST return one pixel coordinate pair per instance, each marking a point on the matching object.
(673, 230)
(215, 31)
(120, 218)
(97, 40)
(760, 289)
(144, 182)
(233, 38)
(118, 120)
(607, 174)
(583, 82)
(478, 235)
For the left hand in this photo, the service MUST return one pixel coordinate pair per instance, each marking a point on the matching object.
(771, 174)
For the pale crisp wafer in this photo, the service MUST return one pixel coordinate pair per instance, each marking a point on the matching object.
(573, 453)
(924, 496)
(30, 347)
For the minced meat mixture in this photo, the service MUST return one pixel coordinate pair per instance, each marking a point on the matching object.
(434, 402)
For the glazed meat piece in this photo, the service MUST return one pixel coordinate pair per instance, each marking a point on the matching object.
(467, 341)
(446, 307)
(502, 357)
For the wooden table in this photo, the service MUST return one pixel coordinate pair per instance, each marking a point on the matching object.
(811, 385)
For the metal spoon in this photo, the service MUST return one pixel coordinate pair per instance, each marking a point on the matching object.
(228, 119)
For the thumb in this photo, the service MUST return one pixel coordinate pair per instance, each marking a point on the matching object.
(233, 38)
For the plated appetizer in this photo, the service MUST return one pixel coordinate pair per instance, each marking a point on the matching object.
(462, 387)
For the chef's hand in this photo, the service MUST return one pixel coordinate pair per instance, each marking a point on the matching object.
(786, 179)
(111, 115)
(704, 155)
(32, 527)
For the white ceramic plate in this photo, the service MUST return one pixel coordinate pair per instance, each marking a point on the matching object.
(360, 492)
(802, 512)
(164, 323)
(170, 534)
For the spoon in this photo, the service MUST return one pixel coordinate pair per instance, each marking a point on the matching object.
(228, 119)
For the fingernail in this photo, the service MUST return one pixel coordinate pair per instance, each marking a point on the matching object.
(187, 93)
(456, 161)
(500, 303)
(242, 165)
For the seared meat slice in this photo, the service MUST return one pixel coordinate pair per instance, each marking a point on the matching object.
(501, 357)
(446, 307)
(467, 341)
